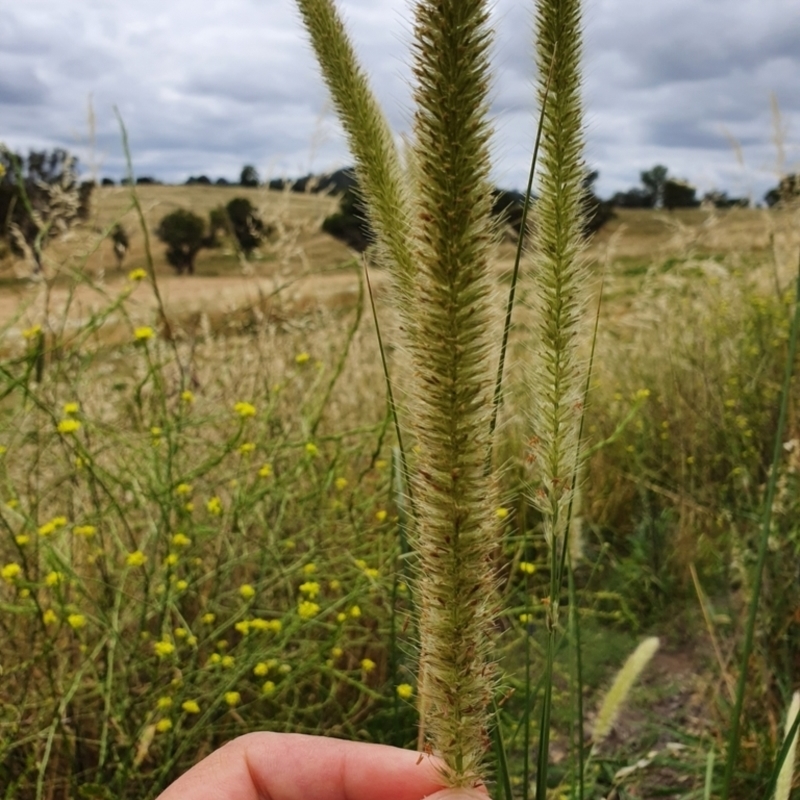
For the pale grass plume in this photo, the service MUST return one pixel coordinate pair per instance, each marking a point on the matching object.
(453, 356)
(378, 164)
(783, 788)
(559, 279)
(442, 273)
(620, 689)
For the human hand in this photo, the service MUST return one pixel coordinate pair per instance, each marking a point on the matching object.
(288, 766)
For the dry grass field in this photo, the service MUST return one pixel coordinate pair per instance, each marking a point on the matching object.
(201, 535)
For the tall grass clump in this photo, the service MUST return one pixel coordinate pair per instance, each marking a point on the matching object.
(449, 340)
(445, 215)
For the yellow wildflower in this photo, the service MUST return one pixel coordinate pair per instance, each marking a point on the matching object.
(12, 502)
(180, 633)
(143, 334)
(341, 616)
(187, 396)
(155, 431)
(265, 471)
(71, 408)
(163, 725)
(501, 513)
(182, 489)
(355, 612)
(181, 585)
(310, 588)
(22, 539)
(164, 648)
(84, 530)
(268, 689)
(32, 332)
(246, 447)
(76, 621)
(367, 664)
(275, 625)
(311, 449)
(190, 707)
(49, 617)
(360, 563)
(309, 569)
(136, 559)
(171, 559)
(137, 275)
(53, 578)
(163, 703)
(181, 540)
(302, 358)
(227, 662)
(337, 652)
(642, 394)
(527, 567)
(334, 585)
(208, 618)
(247, 591)
(244, 409)
(525, 618)
(306, 609)
(380, 515)
(214, 506)
(233, 698)
(381, 464)
(340, 483)
(243, 626)
(371, 572)
(67, 426)
(261, 669)
(10, 571)
(405, 691)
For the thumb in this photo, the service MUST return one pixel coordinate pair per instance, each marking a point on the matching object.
(464, 793)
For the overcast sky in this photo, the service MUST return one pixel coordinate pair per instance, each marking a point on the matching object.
(205, 87)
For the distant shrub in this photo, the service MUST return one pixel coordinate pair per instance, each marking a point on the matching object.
(249, 176)
(183, 232)
(245, 224)
(349, 224)
(121, 244)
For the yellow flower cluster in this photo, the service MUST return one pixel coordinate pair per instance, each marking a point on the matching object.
(310, 589)
(214, 506)
(143, 333)
(244, 409)
(67, 426)
(306, 609)
(10, 572)
(52, 526)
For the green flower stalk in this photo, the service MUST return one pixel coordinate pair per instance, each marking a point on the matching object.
(378, 165)
(559, 275)
(434, 229)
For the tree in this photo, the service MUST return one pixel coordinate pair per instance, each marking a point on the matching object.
(40, 198)
(349, 224)
(121, 243)
(654, 180)
(249, 176)
(245, 224)
(786, 190)
(183, 233)
(679, 194)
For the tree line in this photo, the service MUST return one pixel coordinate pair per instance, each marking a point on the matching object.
(41, 196)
